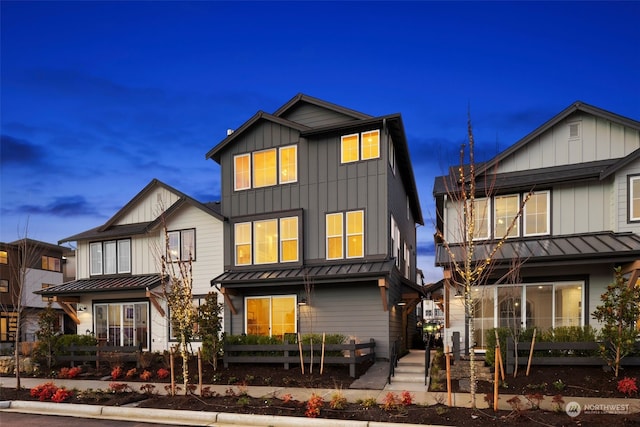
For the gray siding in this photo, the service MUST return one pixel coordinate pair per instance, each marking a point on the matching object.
(313, 116)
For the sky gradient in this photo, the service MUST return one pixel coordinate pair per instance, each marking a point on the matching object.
(99, 98)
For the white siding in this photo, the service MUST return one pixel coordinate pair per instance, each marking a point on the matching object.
(621, 195)
(149, 207)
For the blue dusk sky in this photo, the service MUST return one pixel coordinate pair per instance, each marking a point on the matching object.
(99, 98)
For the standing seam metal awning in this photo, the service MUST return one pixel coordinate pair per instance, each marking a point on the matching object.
(104, 284)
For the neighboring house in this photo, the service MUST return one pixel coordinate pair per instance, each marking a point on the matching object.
(322, 210)
(35, 265)
(118, 294)
(581, 221)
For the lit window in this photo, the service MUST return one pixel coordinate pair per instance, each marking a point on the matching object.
(264, 168)
(505, 216)
(4, 286)
(265, 241)
(242, 235)
(242, 172)
(289, 239)
(51, 263)
(350, 149)
(288, 164)
(536, 214)
(334, 236)
(182, 245)
(270, 315)
(45, 298)
(4, 259)
(355, 234)
(481, 218)
(110, 257)
(371, 145)
(634, 198)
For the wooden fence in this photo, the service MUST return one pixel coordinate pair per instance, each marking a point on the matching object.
(289, 354)
(99, 353)
(583, 353)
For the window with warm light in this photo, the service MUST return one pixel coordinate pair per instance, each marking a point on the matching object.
(355, 234)
(51, 263)
(45, 298)
(242, 172)
(634, 198)
(4, 286)
(182, 245)
(242, 237)
(4, 257)
(536, 214)
(289, 239)
(505, 215)
(270, 315)
(288, 164)
(350, 148)
(264, 168)
(334, 235)
(371, 145)
(265, 238)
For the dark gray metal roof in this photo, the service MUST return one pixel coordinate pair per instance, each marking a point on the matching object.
(296, 276)
(605, 247)
(104, 284)
(114, 231)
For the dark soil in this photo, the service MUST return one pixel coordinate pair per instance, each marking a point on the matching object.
(577, 381)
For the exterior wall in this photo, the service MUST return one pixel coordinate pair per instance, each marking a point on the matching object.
(621, 197)
(581, 207)
(149, 207)
(312, 116)
(600, 140)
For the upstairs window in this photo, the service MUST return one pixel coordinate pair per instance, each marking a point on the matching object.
(267, 241)
(265, 238)
(360, 146)
(634, 198)
(242, 236)
(264, 168)
(4, 286)
(51, 263)
(481, 218)
(4, 258)
(574, 130)
(395, 241)
(182, 245)
(350, 231)
(536, 214)
(110, 257)
(505, 211)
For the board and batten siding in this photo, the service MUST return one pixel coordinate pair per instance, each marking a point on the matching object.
(581, 207)
(149, 207)
(622, 200)
(312, 116)
(600, 139)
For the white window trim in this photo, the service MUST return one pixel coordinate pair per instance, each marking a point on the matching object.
(524, 216)
(345, 240)
(327, 235)
(279, 166)
(255, 224)
(633, 216)
(282, 239)
(578, 126)
(488, 219)
(252, 171)
(376, 132)
(517, 221)
(235, 181)
(342, 160)
(235, 243)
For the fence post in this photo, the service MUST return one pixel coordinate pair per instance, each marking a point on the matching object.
(456, 346)
(510, 358)
(372, 349)
(352, 361)
(71, 348)
(286, 355)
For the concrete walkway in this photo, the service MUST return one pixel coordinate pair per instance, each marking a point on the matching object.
(370, 385)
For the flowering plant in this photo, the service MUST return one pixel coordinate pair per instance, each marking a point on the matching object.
(628, 386)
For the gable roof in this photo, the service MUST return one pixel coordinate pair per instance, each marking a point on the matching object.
(302, 98)
(109, 229)
(576, 106)
(214, 153)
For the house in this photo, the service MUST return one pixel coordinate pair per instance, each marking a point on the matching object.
(579, 174)
(26, 266)
(117, 295)
(322, 208)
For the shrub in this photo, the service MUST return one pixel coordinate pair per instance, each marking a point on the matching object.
(116, 372)
(131, 373)
(69, 372)
(314, 404)
(61, 395)
(145, 375)
(43, 391)
(406, 399)
(162, 373)
(119, 387)
(390, 401)
(338, 401)
(628, 386)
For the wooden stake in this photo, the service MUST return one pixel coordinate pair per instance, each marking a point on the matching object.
(200, 370)
(448, 364)
(533, 342)
(495, 380)
(322, 356)
(498, 358)
(300, 351)
(173, 377)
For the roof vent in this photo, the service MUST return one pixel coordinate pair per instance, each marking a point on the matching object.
(229, 132)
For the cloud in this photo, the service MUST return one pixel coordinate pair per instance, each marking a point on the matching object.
(61, 207)
(17, 151)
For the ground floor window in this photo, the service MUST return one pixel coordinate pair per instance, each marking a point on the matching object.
(122, 324)
(534, 305)
(271, 315)
(8, 326)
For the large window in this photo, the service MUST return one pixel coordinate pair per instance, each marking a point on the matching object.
(4, 259)
(50, 263)
(536, 214)
(540, 305)
(265, 168)
(362, 146)
(271, 315)
(8, 325)
(267, 241)
(182, 245)
(122, 324)
(634, 198)
(110, 257)
(340, 231)
(505, 211)
(481, 218)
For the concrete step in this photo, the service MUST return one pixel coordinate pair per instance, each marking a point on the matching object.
(407, 378)
(408, 369)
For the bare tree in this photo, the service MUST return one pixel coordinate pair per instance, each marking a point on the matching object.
(470, 263)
